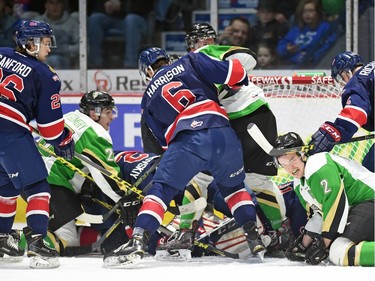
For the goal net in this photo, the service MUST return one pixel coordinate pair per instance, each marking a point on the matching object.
(302, 104)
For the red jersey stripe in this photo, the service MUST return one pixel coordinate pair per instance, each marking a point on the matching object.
(13, 115)
(51, 130)
(236, 73)
(195, 110)
(354, 113)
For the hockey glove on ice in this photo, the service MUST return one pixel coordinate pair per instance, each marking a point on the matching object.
(66, 147)
(130, 205)
(325, 138)
(297, 251)
(286, 237)
(317, 252)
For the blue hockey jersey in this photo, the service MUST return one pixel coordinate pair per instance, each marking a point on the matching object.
(133, 165)
(358, 103)
(29, 89)
(182, 96)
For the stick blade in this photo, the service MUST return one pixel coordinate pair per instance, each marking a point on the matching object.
(259, 138)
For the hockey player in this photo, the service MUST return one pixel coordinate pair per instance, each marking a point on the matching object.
(357, 100)
(29, 89)
(181, 107)
(244, 106)
(90, 123)
(341, 193)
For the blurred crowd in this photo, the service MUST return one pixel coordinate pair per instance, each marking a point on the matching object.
(286, 34)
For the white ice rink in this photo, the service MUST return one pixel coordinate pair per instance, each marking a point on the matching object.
(197, 269)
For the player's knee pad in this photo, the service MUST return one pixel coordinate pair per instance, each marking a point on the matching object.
(339, 250)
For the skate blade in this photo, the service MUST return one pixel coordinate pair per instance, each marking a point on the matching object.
(162, 255)
(10, 259)
(128, 261)
(180, 254)
(261, 255)
(44, 262)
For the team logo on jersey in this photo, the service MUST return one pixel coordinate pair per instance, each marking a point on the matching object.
(196, 124)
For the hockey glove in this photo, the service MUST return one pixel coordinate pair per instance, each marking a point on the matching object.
(297, 251)
(325, 138)
(317, 252)
(130, 205)
(89, 191)
(286, 237)
(66, 147)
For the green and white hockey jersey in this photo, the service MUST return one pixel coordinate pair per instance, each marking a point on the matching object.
(93, 141)
(332, 184)
(249, 98)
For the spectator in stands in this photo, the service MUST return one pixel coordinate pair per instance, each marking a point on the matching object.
(266, 56)
(66, 29)
(306, 43)
(285, 10)
(7, 22)
(267, 29)
(130, 19)
(237, 33)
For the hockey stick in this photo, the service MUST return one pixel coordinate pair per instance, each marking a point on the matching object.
(199, 204)
(228, 223)
(204, 246)
(123, 185)
(261, 140)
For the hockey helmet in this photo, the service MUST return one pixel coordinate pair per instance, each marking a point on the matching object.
(347, 62)
(198, 31)
(288, 140)
(97, 101)
(147, 58)
(32, 31)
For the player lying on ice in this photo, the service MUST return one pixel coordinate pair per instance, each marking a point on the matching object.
(341, 193)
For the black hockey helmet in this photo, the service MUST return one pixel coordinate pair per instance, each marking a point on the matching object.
(197, 32)
(288, 140)
(96, 100)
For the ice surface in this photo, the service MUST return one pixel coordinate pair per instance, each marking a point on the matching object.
(196, 269)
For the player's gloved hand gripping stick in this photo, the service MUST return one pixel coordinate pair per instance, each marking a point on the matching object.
(261, 140)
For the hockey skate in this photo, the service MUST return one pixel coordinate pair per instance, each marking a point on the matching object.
(9, 248)
(40, 252)
(178, 246)
(255, 244)
(128, 254)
